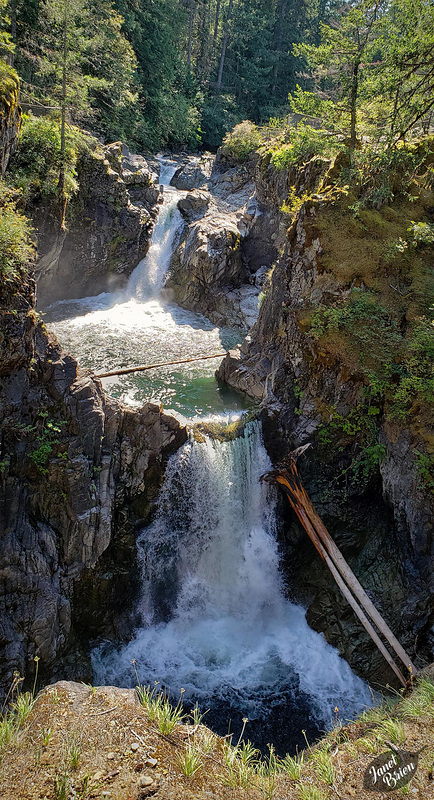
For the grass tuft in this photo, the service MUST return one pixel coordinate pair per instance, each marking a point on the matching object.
(191, 760)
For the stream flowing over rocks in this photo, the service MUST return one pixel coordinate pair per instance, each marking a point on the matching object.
(207, 610)
(131, 535)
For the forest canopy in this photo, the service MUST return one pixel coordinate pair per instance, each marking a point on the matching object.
(178, 73)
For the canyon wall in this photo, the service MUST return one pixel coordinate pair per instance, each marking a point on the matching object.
(109, 226)
(78, 474)
(365, 479)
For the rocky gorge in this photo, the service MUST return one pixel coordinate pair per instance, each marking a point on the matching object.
(381, 517)
(80, 472)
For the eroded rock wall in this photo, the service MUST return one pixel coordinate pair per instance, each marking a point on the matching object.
(109, 227)
(78, 474)
(384, 522)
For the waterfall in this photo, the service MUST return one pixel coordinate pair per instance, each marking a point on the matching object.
(137, 326)
(147, 279)
(215, 620)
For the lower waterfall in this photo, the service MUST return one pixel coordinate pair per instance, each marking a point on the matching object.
(215, 619)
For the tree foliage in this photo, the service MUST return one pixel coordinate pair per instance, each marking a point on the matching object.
(184, 72)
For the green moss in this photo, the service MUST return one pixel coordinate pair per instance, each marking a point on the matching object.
(9, 88)
(222, 431)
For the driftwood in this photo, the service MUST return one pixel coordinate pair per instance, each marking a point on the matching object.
(288, 478)
(128, 370)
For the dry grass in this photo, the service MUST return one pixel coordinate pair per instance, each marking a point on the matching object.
(103, 744)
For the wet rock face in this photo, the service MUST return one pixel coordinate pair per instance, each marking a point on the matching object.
(229, 238)
(78, 474)
(109, 225)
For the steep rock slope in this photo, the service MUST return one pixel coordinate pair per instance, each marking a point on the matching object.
(313, 373)
(78, 473)
(109, 226)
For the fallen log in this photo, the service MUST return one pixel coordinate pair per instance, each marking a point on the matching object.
(128, 370)
(288, 478)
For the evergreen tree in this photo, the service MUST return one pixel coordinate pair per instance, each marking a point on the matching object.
(406, 77)
(342, 58)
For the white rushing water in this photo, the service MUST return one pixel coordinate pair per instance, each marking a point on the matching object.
(135, 326)
(215, 620)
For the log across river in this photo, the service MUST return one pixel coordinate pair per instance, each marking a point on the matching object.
(212, 617)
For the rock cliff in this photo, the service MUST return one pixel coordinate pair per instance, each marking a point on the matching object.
(109, 226)
(78, 472)
(227, 244)
(10, 115)
(364, 471)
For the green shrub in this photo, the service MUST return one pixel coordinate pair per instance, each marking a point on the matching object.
(35, 167)
(377, 175)
(16, 248)
(240, 143)
(305, 143)
(416, 373)
(423, 232)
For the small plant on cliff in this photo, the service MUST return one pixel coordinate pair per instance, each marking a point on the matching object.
(16, 248)
(16, 708)
(48, 438)
(160, 709)
(240, 143)
(293, 766)
(310, 793)
(190, 761)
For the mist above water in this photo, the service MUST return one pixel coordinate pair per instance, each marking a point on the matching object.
(215, 620)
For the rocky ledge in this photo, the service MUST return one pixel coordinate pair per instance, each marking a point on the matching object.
(109, 226)
(78, 474)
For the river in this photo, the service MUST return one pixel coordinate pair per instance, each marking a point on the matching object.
(215, 620)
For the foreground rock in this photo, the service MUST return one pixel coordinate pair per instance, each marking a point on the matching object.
(78, 474)
(109, 227)
(99, 742)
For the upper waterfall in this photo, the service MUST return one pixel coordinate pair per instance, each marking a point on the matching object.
(147, 279)
(136, 326)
